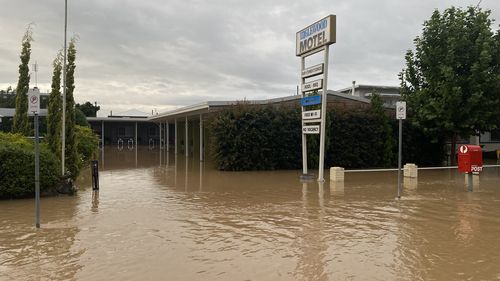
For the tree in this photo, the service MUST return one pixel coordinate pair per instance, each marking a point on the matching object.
(21, 121)
(385, 141)
(54, 110)
(452, 80)
(71, 153)
(88, 109)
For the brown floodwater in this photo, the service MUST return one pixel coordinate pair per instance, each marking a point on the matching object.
(155, 220)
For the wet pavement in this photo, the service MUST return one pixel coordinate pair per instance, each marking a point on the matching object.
(154, 220)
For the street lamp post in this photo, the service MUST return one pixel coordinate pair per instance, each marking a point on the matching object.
(63, 127)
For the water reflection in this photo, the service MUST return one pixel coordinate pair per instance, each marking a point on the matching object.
(160, 216)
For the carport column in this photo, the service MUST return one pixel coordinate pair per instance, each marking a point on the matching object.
(186, 143)
(102, 135)
(201, 137)
(175, 137)
(168, 136)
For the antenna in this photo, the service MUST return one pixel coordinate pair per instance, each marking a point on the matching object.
(35, 69)
(479, 3)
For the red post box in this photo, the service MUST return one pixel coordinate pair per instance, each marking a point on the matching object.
(470, 158)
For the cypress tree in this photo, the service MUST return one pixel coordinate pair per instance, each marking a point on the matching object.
(21, 122)
(54, 110)
(71, 154)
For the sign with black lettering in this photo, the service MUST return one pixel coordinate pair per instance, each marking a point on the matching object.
(318, 34)
(312, 129)
(313, 85)
(311, 114)
(313, 71)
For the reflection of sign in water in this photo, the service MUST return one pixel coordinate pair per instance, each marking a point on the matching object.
(312, 114)
(312, 100)
(313, 129)
(316, 35)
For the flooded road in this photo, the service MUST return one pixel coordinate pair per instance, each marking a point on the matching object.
(153, 221)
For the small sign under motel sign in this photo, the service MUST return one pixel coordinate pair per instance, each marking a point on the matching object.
(312, 129)
(313, 85)
(316, 35)
(311, 114)
(313, 71)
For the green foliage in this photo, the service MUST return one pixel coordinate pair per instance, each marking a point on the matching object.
(80, 118)
(88, 109)
(387, 142)
(88, 143)
(251, 138)
(71, 153)
(7, 98)
(54, 110)
(17, 167)
(248, 137)
(452, 80)
(21, 121)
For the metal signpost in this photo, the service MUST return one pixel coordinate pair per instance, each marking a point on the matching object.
(313, 39)
(400, 115)
(34, 110)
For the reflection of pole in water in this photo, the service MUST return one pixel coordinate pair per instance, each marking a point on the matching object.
(175, 170)
(186, 173)
(201, 177)
(95, 201)
(311, 264)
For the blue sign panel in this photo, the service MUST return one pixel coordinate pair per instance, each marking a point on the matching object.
(312, 100)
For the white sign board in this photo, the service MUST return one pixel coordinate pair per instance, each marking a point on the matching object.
(316, 35)
(313, 70)
(311, 114)
(401, 110)
(33, 101)
(312, 129)
(313, 85)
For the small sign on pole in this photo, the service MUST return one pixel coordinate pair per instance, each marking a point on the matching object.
(313, 85)
(311, 114)
(310, 100)
(312, 129)
(33, 102)
(401, 110)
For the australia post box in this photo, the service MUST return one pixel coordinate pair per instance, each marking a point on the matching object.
(470, 158)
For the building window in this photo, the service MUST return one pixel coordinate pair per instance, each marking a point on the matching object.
(152, 131)
(495, 135)
(121, 131)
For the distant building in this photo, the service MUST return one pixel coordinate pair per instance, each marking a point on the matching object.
(389, 94)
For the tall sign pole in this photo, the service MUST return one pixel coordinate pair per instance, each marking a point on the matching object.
(63, 127)
(34, 109)
(400, 115)
(313, 39)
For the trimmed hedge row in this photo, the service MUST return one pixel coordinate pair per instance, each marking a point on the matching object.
(248, 137)
(17, 166)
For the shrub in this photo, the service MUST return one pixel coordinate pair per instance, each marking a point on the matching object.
(17, 166)
(249, 137)
(87, 144)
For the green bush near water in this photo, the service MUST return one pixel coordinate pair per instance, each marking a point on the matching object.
(249, 137)
(17, 166)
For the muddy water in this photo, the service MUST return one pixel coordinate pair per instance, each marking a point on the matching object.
(153, 221)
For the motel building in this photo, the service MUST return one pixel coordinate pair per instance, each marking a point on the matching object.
(170, 130)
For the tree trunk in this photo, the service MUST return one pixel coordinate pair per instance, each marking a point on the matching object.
(453, 150)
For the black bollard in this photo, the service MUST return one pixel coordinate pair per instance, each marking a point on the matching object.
(95, 175)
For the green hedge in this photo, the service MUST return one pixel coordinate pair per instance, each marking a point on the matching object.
(87, 144)
(17, 166)
(249, 137)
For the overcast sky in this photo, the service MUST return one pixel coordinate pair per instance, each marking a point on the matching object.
(160, 55)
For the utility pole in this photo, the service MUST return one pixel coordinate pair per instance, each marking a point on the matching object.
(63, 134)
